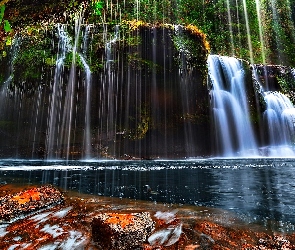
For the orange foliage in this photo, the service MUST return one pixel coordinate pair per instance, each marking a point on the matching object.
(196, 31)
(27, 196)
(122, 219)
(134, 24)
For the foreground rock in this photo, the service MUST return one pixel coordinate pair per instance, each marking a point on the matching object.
(93, 222)
(31, 200)
(122, 230)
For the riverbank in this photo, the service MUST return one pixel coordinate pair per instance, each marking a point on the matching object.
(71, 223)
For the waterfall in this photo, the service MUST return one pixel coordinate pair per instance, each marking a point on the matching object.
(234, 135)
(53, 131)
(110, 44)
(69, 108)
(279, 118)
(6, 101)
(278, 121)
(108, 106)
(87, 86)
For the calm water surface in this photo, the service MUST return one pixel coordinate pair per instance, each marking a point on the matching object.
(257, 190)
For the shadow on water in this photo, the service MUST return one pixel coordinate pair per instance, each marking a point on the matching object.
(257, 190)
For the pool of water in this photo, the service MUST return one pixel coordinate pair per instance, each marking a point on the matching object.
(256, 190)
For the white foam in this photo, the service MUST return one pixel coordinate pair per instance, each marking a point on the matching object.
(54, 230)
(166, 216)
(3, 231)
(48, 247)
(62, 213)
(12, 247)
(75, 241)
(41, 217)
(17, 238)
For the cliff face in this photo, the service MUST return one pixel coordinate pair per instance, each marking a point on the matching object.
(91, 78)
(35, 22)
(84, 87)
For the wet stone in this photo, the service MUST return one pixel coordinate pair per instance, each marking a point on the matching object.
(14, 206)
(125, 230)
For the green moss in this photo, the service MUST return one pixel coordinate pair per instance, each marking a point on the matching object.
(188, 47)
(69, 60)
(6, 124)
(141, 124)
(50, 61)
(29, 61)
(97, 6)
(2, 78)
(283, 84)
(2, 10)
(138, 63)
(212, 17)
(132, 40)
(287, 85)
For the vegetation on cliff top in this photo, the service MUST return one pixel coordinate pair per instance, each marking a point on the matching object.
(232, 29)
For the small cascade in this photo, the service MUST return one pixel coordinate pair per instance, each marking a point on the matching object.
(5, 97)
(278, 121)
(87, 86)
(69, 108)
(186, 85)
(110, 44)
(61, 121)
(279, 118)
(108, 104)
(233, 132)
(14, 51)
(55, 111)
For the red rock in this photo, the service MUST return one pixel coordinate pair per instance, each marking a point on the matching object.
(19, 204)
(125, 230)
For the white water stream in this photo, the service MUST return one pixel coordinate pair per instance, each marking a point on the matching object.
(233, 132)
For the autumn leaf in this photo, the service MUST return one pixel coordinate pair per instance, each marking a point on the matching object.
(122, 219)
(27, 196)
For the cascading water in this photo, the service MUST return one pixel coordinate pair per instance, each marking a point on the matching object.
(279, 118)
(109, 107)
(69, 106)
(277, 121)
(62, 107)
(87, 134)
(54, 117)
(233, 132)
(131, 104)
(5, 92)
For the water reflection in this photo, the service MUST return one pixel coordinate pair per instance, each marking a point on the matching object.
(258, 190)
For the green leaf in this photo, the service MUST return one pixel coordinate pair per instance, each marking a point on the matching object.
(7, 27)
(98, 6)
(8, 41)
(2, 9)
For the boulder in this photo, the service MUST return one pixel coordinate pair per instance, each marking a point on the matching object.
(124, 230)
(14, 206)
